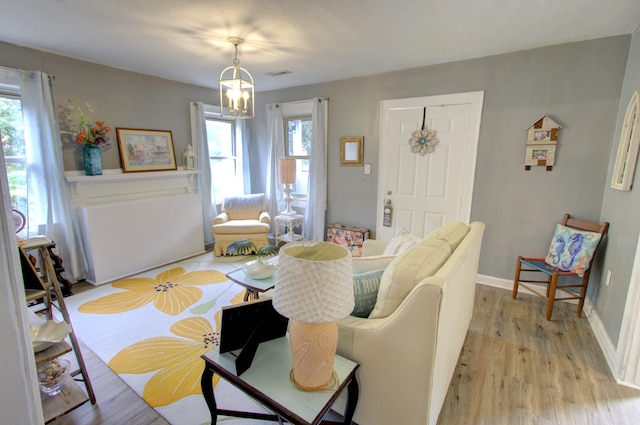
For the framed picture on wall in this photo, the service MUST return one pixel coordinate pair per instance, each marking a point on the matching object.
(146, 150)
(351, 150)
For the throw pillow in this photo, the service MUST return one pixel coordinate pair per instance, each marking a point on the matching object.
(409, 268)
(365, 292)
(571, 249)
(402, 241)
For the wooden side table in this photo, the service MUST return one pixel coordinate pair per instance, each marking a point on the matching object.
(267, 381)
(253, 287)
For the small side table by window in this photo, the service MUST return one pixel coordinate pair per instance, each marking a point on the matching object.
(267, 381)
(285, 228)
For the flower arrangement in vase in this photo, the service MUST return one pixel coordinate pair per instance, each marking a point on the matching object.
(258, 268)
(92, 135)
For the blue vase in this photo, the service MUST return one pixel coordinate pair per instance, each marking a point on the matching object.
(92, 160)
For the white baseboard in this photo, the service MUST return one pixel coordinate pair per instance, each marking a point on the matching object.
(497, 282)
(607, 347)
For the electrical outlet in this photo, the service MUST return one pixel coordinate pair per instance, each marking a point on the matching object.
(608, 281)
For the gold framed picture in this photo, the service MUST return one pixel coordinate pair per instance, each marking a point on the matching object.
(146, 150)
(351, 150)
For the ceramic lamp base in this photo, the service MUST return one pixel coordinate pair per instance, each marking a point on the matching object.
(313, 349)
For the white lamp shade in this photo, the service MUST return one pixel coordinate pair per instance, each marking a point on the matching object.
(287, 170)
(314, 283)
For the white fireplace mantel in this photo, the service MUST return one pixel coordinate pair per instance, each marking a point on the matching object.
(114, 185)
(133, 222)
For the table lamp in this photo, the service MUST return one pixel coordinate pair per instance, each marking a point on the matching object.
(313, 288)
(287, 178)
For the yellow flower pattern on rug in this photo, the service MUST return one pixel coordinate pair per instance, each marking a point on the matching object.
(176, 360)
(172, 292)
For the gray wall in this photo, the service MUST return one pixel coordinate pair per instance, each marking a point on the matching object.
(124, 99)
(577, 84)
(621, 209)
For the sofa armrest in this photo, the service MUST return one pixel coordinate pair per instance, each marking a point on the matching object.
(395, 353)
(221, 218)
(264, 217)
(373, 247)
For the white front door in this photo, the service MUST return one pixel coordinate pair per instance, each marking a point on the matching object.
(427, 191)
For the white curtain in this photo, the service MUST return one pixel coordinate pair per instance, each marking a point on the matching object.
(274, 192)
(199, 136)
(243, 136)
(314, 220)
(46, 184)
(17, 365)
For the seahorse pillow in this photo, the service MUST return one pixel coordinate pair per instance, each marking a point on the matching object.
(571, 249)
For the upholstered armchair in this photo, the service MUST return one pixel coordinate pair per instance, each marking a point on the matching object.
(241, 217)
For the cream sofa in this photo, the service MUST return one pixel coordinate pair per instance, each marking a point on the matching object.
(409, 353)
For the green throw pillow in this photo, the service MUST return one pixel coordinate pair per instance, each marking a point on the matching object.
(365, 292)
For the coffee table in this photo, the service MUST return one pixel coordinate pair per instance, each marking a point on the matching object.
(253, 286)
(267, 381)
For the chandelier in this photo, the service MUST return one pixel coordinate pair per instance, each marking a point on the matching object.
(236, 88)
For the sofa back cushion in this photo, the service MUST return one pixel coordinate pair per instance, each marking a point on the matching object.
(406, 270)
(453, 233)
(246, 207)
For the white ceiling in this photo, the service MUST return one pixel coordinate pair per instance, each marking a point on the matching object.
(317, 40)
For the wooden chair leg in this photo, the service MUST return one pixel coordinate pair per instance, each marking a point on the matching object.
(516, 278)
(551, 294)
(583, 292)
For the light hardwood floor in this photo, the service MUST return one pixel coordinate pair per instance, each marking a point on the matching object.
(518, 368)
(515, 368)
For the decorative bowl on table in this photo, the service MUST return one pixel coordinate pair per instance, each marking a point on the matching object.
(52, 376)
(45, 335)
(259, 269)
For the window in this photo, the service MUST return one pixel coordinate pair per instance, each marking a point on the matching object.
(225, 158)
(298, 145)
(12, 132)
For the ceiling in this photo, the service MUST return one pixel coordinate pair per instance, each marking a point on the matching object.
(317, 41)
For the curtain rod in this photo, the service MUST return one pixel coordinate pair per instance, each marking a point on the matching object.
(304, 101)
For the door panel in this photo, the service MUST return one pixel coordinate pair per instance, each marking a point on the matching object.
(434, 189)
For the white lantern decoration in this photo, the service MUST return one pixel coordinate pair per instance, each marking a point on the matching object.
(189, 158)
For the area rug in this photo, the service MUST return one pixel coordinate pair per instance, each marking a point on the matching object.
(152, 328)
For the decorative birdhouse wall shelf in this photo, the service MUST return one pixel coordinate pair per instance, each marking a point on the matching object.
(542, 138)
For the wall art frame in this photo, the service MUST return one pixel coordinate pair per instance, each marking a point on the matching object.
(146, 150)
(627, 155)
(542, 140)
(352, 150)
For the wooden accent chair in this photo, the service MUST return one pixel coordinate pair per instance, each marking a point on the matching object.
(576, 238)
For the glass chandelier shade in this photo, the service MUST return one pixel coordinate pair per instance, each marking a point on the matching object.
(236, 88)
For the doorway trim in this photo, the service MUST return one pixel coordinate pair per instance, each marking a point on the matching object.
(628, 351)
